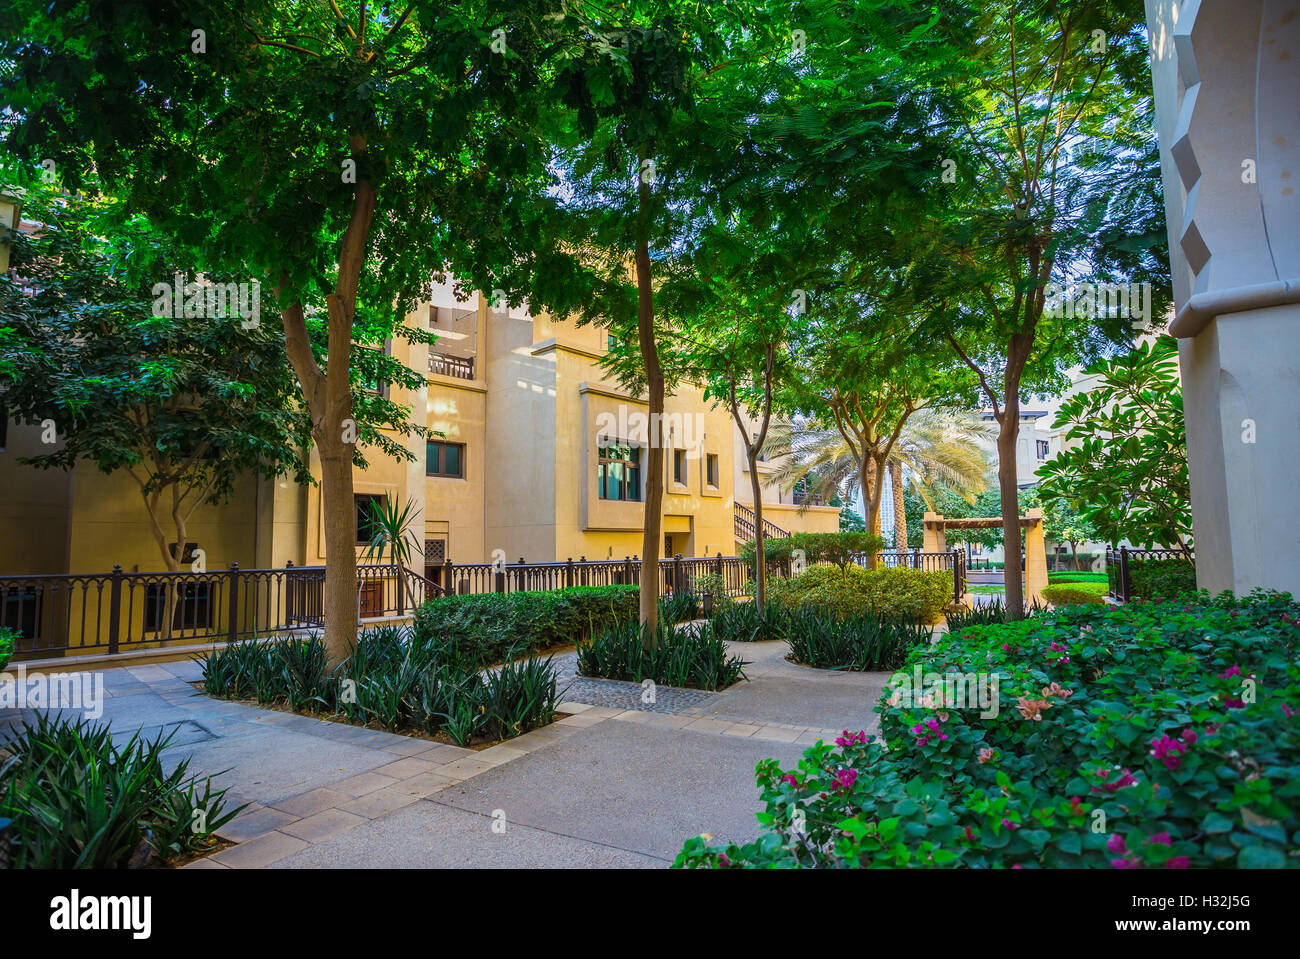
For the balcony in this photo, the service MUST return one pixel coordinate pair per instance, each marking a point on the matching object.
(461, 367)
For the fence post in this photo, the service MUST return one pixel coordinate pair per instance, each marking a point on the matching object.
(115, 609)
(916, 557)
(956, 582)
(582, 570)
(232, 627)
(627, 570)
(448, 587)
(1124, 585)
(677, 574)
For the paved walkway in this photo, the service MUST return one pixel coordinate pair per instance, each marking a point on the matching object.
(607, 785)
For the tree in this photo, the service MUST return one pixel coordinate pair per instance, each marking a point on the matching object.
(936, 449)
(1057, 181)
(340, 158)
(648, 90)
(1125, 471)
(183, 405)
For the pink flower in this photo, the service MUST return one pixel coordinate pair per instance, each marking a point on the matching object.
(792, 779)
(1162, 838)
(1233, 671)
(844, 780)
(985, 755)
(1189, 736)
(1167, 751)
(1116, 843)
(1177, 862)
(1125, 863)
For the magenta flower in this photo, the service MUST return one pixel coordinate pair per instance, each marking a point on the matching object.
(1177, 862)
(1116, 843)
(1161, 838)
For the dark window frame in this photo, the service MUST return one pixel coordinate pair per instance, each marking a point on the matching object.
(681, 470)
(363, 517)
(627, 460)
(711, 477)
(194, 608)
(442, 446)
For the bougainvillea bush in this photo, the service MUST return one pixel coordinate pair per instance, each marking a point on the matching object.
(1155, 735)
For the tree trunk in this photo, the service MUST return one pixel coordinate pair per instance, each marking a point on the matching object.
(900, 514)
(760, 547)
(654, 473)
(1074, 550)
(328, 396)
(1009, 490)
(870, 503)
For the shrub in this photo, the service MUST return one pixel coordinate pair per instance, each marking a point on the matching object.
(1075, 577)
(858, 643)
(80, 801)
(1064, 594)
(481, 628)
(8, 640)
(854, 591)
(1166, 578)
(393, 681)
(692, 656)
(1175, 721)
(837, 548)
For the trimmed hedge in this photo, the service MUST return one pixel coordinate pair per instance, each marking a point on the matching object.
(1084, 577)
(484, 627)
(854, 591)
(1165, 578)
(837, 548)
(1152, 735)
(1064, 594)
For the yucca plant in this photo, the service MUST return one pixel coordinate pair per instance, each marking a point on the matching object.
(518, 697)
(985, 613)
(860, 643)
(689, 656)
(78, 801)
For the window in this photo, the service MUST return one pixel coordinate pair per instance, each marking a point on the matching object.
(618, 473)
(1042, 449)
(445, 459)
(193, 606)
(711, 470)
(679, 467)
(612, 342)
(20, 609)
(367, 503)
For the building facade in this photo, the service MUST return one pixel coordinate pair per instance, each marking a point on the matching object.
(534, 453)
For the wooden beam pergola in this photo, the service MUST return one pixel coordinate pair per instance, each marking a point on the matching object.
(979, 522)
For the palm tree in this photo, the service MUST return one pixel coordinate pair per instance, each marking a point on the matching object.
(937, 448)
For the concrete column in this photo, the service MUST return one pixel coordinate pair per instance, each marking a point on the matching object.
(1035, 557)
(933, 539)
(1225, 76)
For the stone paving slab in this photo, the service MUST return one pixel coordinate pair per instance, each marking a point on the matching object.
(429, 835)
(636, 787)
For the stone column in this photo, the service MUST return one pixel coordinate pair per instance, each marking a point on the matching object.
(1035, 557)
(933, 538)
(1226, 78)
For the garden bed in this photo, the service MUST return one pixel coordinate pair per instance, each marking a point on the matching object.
(1154, 735)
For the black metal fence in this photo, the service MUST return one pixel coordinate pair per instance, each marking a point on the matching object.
(1121, 562)
(74, 614)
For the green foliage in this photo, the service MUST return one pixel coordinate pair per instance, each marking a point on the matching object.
(745, 622)
(839, 548)
(8, 641)
(78, 800)
(691, 656)
(1169, 725)
(1125, 470)
(393, 532)
(983, 614)
(857, 643)
(1063, 594)
(855, 591)
(1161, 578)
(394, 680)
(1076, 577)
(850, 521)
(483, 627)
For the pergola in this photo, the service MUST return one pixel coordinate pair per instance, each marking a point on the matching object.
(935, 527)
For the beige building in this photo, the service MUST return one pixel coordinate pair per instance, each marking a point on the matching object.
(534, 453)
